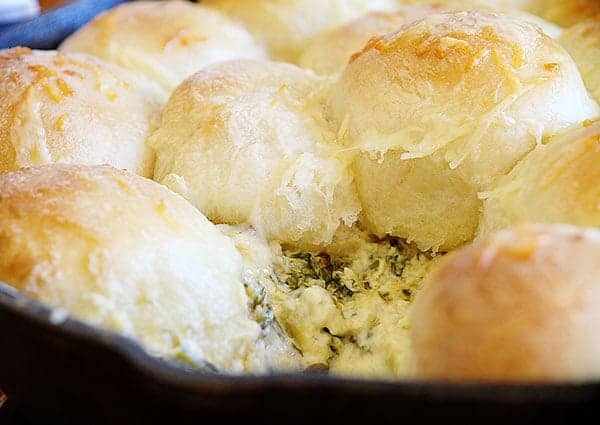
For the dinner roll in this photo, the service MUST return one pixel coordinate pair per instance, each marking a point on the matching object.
(69, 108)
(330, 51)
(582, 41)
(250, 142)
(440, 109)
(287, 26)
(119, 251)
(166, 41)
(556, 183)
(523, 305)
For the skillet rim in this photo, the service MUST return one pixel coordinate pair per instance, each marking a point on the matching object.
(225, 385)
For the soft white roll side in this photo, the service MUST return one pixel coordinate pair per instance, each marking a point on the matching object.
(166, 41)
(251, 142)
(440, 109)
(122, 252)
(287, 26)
(522, 305)
(70, 108)
(582, 41)
(556, 183)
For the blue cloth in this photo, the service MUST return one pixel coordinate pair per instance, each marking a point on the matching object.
(49, 29)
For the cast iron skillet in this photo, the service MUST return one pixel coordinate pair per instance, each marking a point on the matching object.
(75, 373)
(68, 372)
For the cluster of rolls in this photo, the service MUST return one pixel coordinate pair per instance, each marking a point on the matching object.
(436, 123)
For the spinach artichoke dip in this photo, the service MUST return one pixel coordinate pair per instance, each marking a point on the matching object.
(345, 308)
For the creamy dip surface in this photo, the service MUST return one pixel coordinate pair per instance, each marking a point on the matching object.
(344, 309)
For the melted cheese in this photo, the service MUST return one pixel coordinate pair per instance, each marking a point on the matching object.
(274, 350)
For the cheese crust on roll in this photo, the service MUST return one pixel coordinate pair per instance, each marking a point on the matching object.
(522, 305)
(251, 142)
(556, 183)
(330, 51)
(165, 41)
(582, 41)
(70, 108)
(125, 253)
(437, 111)
(287, 26)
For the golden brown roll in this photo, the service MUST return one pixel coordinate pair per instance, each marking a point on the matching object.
(330, 51)
(68, 108)
(440, 109)
(119, 251)
(558, 182)
(251, 142)
(582, 41)
(287, 26)
(166, 41)
(523, 305)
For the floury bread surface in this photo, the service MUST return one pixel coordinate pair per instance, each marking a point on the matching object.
(285, 27)
(71, 108)
(252, 142)
(165, 41)
(119, 251)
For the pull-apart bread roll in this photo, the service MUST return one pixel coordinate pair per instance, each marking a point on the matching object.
(123, 252)
(523, 305)
(582, 41)
(68, 108)
(166, 41)
(440, 109)
(250, 142)
(286, 26)
(556, 183)
(330, 51)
